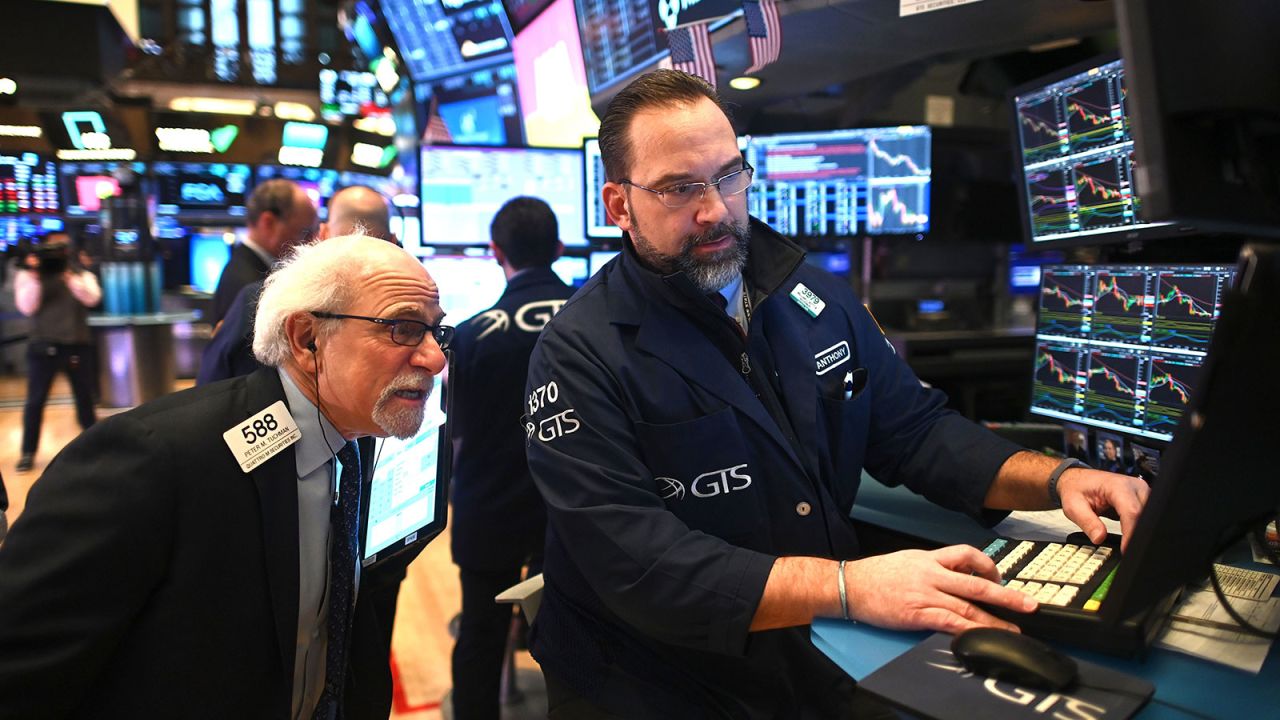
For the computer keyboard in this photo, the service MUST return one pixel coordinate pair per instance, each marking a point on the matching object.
(1058, 574)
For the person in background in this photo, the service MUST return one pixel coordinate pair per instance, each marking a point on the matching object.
(196, 556)
(56, 296)
(699, 417)
(498, 520)
(352, 209)
(280, 215)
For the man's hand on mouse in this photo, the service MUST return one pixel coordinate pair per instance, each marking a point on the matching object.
(930, 590)
(1087, 493)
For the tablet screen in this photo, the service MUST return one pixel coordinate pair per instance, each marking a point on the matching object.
(406, 501)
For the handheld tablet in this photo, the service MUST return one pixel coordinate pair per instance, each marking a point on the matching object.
(405, 503)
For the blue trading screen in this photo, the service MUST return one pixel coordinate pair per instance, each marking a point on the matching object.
(1120, 346)
(1077, 157)
(445, 38)
(842, 183)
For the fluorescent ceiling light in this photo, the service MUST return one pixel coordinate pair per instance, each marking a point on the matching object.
(223, 106)
(744, 83)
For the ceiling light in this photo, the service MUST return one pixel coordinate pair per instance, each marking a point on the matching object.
(294, 111)
(222, 106)
(744, 83)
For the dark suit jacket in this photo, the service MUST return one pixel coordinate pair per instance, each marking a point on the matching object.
(230, 352)
(243, 268)
(498, 518)
(150, 577)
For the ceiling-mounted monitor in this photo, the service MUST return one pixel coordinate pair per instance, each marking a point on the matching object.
(1075, 158)
(843, 183)
(208, 192)
(438, 39)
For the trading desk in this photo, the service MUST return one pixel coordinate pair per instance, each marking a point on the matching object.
(1206, 688)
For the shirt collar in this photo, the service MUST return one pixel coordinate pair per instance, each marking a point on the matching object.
(260, 251)
(320, 439)
(732, 293)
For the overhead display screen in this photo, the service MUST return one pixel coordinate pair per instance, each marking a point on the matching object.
(86, 184)
(1078, 169)
(463, 188)
(438, 38)
(841, 183)
(28, 185)
(554, 100)
(202, 190)
(619, 38)
(481, 107)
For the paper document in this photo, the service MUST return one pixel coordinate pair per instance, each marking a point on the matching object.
(1199, 626)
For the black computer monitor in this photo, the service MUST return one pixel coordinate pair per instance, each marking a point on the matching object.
(1218, 476)
(842, 183)
(1119, 347)
(464, 187)
(1205, 97)
(1076, 159)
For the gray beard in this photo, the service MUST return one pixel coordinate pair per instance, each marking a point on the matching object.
(396, 421)
(708, 274)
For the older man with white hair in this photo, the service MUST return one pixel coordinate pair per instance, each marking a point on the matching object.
(195, 556)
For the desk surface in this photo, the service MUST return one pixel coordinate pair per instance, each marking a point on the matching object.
(1210, 689)
(1207, 688)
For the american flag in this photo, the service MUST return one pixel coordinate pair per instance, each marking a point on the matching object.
(764, 31)
(691, 51)
(437, 132)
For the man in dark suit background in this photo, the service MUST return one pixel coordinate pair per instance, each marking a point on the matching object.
(280, 216)
(498, 517)
(355, 208)
(152, 575)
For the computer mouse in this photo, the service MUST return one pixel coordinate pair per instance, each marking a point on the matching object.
(1011, 656)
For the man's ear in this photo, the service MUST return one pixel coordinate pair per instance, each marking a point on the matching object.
(615, 203)
(300, 329)
(498, 255)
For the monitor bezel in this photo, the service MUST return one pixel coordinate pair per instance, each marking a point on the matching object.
(1118, 235)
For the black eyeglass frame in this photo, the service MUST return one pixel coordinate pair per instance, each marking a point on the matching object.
(662, 194)
(443, 334)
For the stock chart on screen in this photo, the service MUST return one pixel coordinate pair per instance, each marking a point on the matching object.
(1076, 155)
(1120, 346)
(843, 182)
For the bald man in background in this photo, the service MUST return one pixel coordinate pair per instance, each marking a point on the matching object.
(353, 209)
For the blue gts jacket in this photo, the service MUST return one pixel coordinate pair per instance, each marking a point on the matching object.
(678, 459)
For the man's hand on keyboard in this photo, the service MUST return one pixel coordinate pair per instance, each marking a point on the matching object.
(930, 590)
(1087, 493)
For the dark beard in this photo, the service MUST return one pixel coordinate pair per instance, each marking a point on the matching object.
(708, 274)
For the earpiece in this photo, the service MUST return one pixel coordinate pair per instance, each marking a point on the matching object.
(311, 346)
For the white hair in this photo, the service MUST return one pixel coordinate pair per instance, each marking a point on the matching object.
(320, 276)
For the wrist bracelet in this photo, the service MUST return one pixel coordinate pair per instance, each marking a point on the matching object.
(844, 598)
(1063, 466)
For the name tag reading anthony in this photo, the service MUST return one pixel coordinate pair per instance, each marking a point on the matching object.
(262, 436)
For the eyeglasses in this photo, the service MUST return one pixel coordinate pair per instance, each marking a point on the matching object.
(677, 196)
(404, 331)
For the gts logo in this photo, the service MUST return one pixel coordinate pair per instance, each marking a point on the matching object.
(708, 484)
